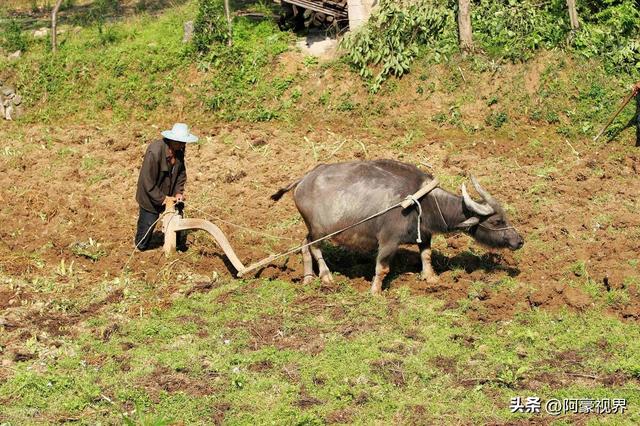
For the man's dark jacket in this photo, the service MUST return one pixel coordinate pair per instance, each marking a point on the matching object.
(158, 178)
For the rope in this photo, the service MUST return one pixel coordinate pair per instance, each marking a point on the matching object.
(497, 229)
(143, 237)
(446, 225)
(271, 258)
(211, 216)
(415, 201)
(293, 250)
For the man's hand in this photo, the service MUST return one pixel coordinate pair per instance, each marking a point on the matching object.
(179, 198)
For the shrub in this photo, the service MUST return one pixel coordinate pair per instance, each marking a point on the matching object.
(210, 26)
(389, 42)
(14, 39)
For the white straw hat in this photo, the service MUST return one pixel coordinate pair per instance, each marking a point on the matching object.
(180, 133)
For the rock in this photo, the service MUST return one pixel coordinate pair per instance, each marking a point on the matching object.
(42, 32)
(17, 100)
(8, 111)
(7, 91)
(15, 55)
(188, 32)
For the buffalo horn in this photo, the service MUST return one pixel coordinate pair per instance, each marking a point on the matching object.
(481, 209)
(483, 192)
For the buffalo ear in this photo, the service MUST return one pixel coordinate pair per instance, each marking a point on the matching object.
(472, 221)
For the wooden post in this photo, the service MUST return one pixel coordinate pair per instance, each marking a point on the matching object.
(54, 25)
(227, 12)
(573, 14)
(464, 26)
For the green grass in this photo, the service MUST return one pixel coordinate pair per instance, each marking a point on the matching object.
(127, 68)
(258, 351)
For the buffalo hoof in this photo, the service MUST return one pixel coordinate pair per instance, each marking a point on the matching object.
(327, 279)
(430, 278)
(307, 279)
(376, 291)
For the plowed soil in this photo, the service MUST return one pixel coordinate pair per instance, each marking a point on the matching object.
(575, 203)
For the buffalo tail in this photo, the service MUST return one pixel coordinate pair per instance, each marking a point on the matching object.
(282, 191)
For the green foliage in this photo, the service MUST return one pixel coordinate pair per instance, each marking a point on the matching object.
(515, 29)
(103, 8)
(13, 38)
(125, 68)
(390, 41)
(506, 29)
(497, 119)
(242, 83)
(612, 33)
(210, 26)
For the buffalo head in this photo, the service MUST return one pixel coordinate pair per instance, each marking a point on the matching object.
(488, 222)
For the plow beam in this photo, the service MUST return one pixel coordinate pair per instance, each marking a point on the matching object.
(174, 222)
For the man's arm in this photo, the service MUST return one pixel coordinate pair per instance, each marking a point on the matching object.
(181, 181)
(149, 176)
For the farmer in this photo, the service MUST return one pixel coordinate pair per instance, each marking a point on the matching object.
(163, 175)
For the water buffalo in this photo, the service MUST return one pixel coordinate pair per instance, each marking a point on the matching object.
(333, 196)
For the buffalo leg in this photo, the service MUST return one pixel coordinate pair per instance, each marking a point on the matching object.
(428, 274)
(307, 261)
(385, 255)
(323, 269)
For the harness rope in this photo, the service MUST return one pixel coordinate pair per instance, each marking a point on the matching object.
(446, 225)
(143, 237)
(415, 201)
(496, 229)
(405, 203)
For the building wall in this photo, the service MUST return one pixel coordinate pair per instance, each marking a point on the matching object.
(359, 12)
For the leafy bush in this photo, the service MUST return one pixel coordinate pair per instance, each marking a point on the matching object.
(612, 33)
(507, 29)
(390, 41)
(515, 29)
(210, 25)
(13, 38)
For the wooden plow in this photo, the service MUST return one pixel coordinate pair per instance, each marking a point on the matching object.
(172, 222)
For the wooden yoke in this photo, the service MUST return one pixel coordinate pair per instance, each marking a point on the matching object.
(173, 222)
(420, 193)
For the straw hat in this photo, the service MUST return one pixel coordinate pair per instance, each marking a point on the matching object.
(180, 133)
